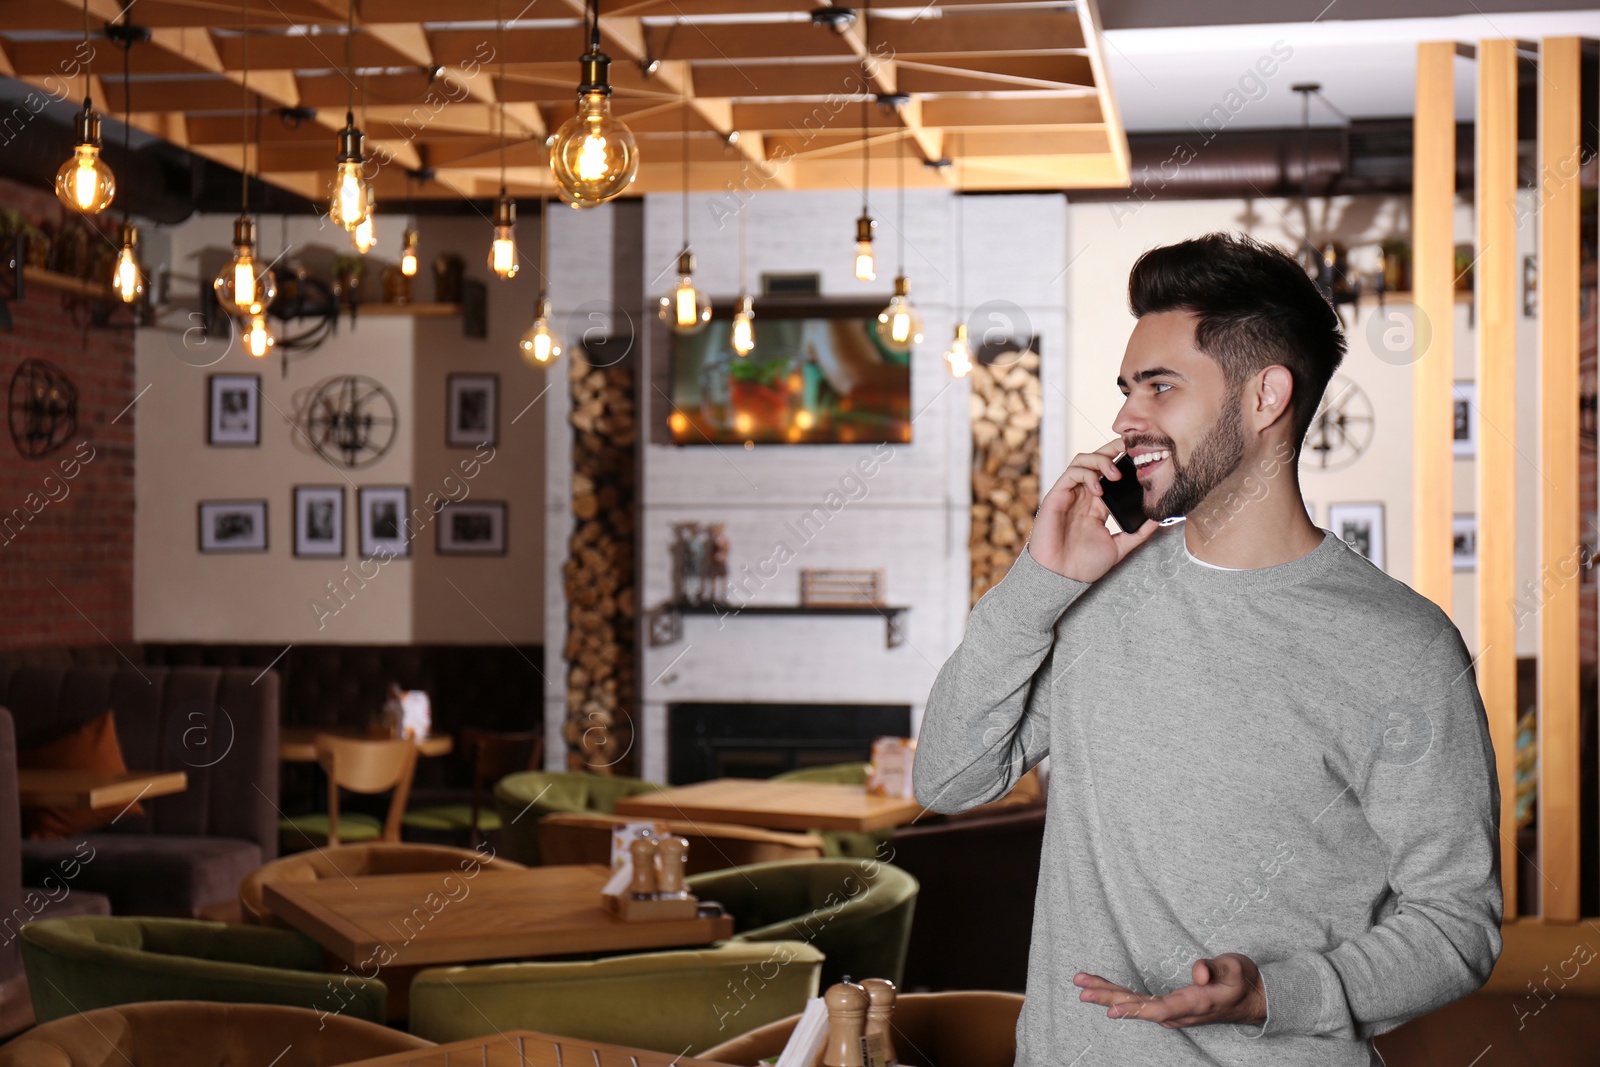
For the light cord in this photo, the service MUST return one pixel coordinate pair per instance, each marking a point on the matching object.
(501, 23)
(244, 134)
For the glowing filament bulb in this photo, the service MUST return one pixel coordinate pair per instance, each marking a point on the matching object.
(258, 339)
(364, 235)
(744, 331)
(959, 354)
(685, 303)
(408, 257)
(127, 279)
(540, 344)
(503, 251)
(592, 162)
(244, 282)
(866, 266)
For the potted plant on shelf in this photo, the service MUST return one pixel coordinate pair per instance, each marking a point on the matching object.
(348, 272)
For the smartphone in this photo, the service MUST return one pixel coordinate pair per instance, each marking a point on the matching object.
(1125, 496)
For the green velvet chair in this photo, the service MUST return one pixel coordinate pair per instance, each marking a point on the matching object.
(858, 912)
(667, 1001)
(842, 844)
(89, 962)
(526, 797)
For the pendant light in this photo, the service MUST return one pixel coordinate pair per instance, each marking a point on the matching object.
(540, 345)
(350, 202)
(258, 339)
(84, 182)
(409, 242)
(594, 156)
(684, 308)
(866, 268)
(127, 277)
(365, 233)
(245, 287)
(503, 249)
(900, 325)
(959, 354)
(743, 334)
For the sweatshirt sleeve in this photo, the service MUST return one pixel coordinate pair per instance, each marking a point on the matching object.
(1431, 795)
(986, 723)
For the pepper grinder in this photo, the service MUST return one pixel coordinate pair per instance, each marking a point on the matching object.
(643, 851)
(673, 852)
(847, 1021)
(880, 1012)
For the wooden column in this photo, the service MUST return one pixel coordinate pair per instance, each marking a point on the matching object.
(1496, 276)
(1433, 194)
(1559, 82)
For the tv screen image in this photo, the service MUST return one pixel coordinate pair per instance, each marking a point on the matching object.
(819, 376)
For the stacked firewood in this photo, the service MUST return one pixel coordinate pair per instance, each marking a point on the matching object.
(599, 572)
(1007, 404)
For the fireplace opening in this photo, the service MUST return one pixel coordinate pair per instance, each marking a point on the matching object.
(760, 740)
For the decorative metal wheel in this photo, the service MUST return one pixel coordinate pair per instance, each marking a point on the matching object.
(1342, 428)
(44, 408)
(351, 420)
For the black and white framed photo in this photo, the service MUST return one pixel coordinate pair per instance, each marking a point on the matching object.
(1361, 527)
(234, 410)
(385, 520)
(1464, 542)
(473, 529)
(1465, 422)
(319, 521)
(233, 525)
(473, 416)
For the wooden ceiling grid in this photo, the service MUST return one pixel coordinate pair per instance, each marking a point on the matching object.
(1014, 91)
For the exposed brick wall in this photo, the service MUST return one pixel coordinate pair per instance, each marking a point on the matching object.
(66, 520)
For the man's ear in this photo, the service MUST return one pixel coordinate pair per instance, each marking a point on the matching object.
(1274, 397)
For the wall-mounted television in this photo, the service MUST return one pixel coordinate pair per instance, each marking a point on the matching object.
(819, 374)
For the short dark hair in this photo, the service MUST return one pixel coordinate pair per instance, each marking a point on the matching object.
(1256, 306)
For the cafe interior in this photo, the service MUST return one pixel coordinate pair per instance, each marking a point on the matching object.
(491, 486)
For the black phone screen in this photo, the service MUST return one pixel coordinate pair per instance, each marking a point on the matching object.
(1125, 497)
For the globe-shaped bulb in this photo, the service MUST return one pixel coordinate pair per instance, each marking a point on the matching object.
(594, 156)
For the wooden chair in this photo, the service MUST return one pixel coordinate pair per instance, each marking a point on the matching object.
(493, 754)
(360, 766)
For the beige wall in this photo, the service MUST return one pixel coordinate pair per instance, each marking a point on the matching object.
(182, 595)
(1105, 239)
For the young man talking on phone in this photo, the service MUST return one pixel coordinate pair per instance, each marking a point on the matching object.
(1273, 817)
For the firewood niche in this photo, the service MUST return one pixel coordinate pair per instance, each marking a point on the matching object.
(1007, 404)
(599, 572)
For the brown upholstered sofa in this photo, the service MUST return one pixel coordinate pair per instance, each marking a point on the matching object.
(20, 905)
(189, 850)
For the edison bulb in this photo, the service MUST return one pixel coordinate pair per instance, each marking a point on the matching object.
(866, 266)
(503, 250)
(743, 336)
(351, 193)
(258, 339)
(408, 256)
(540, 344)
(594, 156)
(365, 235)
(84, 182)
(959, 354)
(244, 288)
(127, 279)
(900, 325)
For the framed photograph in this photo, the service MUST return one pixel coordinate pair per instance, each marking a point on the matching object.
(475, 529)
(474, 413)
(234, 410)
(319, 521)
(1465, 437)
(385, 520)
(1464, 542)
(1361, 527)
(233, 525)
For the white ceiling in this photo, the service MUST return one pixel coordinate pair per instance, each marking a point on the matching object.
(1169, 78)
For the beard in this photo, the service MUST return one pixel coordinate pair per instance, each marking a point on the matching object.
(1218, 455)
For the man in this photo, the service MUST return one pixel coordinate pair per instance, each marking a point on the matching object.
(1273, 811)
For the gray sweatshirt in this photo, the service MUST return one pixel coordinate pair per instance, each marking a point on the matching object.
(1291, 762)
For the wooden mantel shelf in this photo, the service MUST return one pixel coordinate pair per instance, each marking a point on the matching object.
(666, 621)
(421, 311)
(66, 283)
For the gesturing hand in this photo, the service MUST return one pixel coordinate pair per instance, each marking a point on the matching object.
(1226, 989)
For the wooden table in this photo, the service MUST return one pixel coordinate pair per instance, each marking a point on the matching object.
(444, 917)
(298, 744)
(527, 1048)
(775, 805)
(95, 789)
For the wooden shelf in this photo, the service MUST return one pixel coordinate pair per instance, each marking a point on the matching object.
(1370, 296)
(420, 311)
(65, 283)
(666, 625)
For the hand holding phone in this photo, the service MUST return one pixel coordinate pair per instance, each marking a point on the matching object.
(1070, 535)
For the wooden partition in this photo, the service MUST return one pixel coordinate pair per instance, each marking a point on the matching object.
(1496, 282)
(1559, 82)
(1433, 279)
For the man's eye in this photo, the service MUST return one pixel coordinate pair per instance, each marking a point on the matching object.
(1158, 386)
